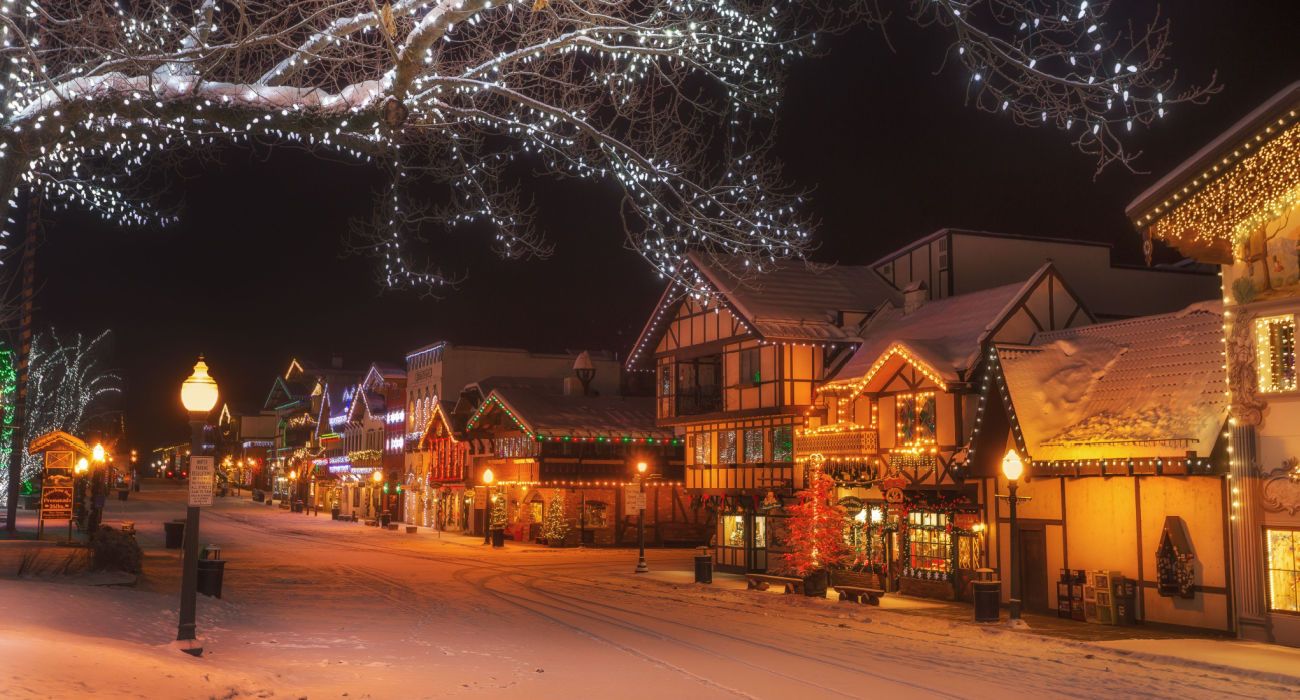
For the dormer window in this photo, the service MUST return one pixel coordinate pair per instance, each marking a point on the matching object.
(1275, 353)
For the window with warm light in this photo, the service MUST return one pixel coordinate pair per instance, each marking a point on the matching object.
(702, 444)
(753, 446)
(727, 447)
(1275, 353)
(916, 418)
(929, 541)
(1283, 570)
(783, 444)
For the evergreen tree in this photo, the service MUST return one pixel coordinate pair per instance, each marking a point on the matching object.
(555, 527)
(499, 512)
(815, 528)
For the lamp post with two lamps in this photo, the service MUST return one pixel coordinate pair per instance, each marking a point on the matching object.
(199, 396)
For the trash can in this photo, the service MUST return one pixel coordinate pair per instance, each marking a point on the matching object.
(498, 537)
(988, 600)
(122, 494)
(334, 513)
(385, 518)
(175, 534)
(258, 496)
(211, 573)
(703, 566)
(211, 551)
(297, 506)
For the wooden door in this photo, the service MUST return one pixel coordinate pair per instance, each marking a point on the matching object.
(1033, 569)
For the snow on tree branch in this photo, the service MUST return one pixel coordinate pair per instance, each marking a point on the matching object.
(672, 101)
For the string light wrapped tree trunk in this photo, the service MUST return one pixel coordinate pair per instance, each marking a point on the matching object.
(815, 533)
(670, 101)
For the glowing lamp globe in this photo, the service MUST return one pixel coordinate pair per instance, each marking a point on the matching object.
(487, 476)
(1012, 467)
(97, 453)
(293, 475)
(641, 467)
(199, 392)
(82, 466)
(376, 477)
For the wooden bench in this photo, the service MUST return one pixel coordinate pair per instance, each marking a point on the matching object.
(761, 582)
(859, 594)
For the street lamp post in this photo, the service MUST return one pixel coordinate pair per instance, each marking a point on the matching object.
(199, 396)
(1013, 468)
(375, 476)
(641, 568)
(487, 505)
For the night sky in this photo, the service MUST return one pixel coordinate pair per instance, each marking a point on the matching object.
(254, 273)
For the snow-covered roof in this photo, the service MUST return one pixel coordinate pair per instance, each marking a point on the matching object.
(544, 409)
(794, 300)
(1143, 387)
(947, 334)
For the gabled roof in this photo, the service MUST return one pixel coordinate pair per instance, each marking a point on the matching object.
(441, 413)
(380, 372)
(948, 335)
(1211, 161)
(1151, 386)
(789, 300)
(541, 409)
(58, 440)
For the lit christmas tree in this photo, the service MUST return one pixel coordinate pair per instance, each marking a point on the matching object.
(554, 525)
(815, 528)
(498, 512)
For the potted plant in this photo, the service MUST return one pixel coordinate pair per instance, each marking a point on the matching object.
(554, 526)
(815, 534)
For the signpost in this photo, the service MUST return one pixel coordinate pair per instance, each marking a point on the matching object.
(633, 500)
(56, 502)
(203, 471)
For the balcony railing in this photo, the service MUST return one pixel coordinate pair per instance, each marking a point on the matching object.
(833, 442)
(694, 401)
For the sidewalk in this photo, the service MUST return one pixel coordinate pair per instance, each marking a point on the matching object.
(1206, 650)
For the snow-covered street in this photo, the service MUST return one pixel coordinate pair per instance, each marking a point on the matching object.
(315, 608)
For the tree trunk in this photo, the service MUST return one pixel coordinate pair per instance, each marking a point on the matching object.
(22, 352)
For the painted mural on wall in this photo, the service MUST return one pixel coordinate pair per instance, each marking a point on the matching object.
(1268, 263)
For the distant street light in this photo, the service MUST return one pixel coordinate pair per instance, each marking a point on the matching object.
(641, 468)
(1013, 468)
(199, 396)
(488, 477)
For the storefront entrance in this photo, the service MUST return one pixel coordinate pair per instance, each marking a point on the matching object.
(742, 542)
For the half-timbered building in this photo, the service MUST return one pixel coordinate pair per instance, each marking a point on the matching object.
(734, 374)
(546, 439)
(894, 427)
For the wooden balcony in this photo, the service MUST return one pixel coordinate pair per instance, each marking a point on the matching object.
(833, 442)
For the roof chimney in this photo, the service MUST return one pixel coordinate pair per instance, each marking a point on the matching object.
(914, 296)
(585, 370)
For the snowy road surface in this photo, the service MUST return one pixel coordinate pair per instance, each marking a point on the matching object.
(321, 609)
